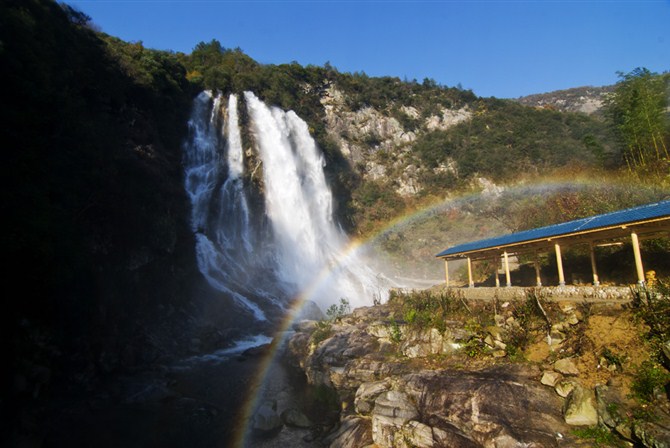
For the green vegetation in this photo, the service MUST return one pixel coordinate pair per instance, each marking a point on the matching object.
(324, 328)
(650, 379)
(600, 436)
(336, 312)
(529, 320)
(425, 309)
(639, 111)
(652, 307)
(504, 138)
(396, 333)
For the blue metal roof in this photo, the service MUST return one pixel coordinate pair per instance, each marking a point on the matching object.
(641, 213)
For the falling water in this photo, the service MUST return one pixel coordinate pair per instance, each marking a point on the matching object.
(293, 243)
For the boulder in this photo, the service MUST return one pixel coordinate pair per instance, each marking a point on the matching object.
(310, 311)
(266, 419)
(392, 410)
(564, 387)
(367, 393)
(295, 418)
(354, 432)
(566, 366)
(550, 378)
(580, 407)
(395, 404)
(415, 434)
(652, 434)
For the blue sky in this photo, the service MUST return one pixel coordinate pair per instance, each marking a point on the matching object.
(500, 48)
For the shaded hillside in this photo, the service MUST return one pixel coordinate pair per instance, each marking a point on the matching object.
(94, 212)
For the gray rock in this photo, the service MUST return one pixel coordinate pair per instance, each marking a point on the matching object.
(563, 388)
(550, 378)
(416, 434)
(652, 434)
(310, 311)
(395, 404)
(566, 366)
(580, 407)
(354, 432)
(266, 419)
(295, 418)
(392, 410)
(367, 393)
(304, 326)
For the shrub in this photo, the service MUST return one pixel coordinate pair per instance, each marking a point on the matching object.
(650, 377)
(426, 309)
(336, 312)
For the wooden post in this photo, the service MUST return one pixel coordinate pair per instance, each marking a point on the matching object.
(638, 258)
(446, 271)
(495, 271)
(559, 263)
(536, 262)
(471, 284)
(594, 269)
(507, 276)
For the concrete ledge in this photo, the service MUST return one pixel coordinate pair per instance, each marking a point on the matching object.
(553, 293)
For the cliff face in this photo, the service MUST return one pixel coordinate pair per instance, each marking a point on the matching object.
(443, 371)
(589, 100)
(377, 143)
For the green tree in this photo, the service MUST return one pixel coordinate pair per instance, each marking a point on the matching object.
(638, 110)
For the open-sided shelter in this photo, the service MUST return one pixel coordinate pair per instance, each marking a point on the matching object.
(647, 221)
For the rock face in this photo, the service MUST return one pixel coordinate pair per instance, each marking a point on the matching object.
(364, 133)
(588, 100)
(580, 408)
(393, 405)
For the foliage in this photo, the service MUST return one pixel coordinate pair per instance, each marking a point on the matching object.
(504, 138)
(649, 378)
(425, 309)
(652, 306)
(638, 110)
(336, 312)
(396, 333)
(528, 319)
(601, 436)
(324, 329)
(374, 203)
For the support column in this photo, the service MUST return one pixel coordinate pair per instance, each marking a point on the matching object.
(536, 262)
(638, 258)
(446, 271)
(471, 284)
(507, 276)
(495, 271)
(594, 269)
(559, 263)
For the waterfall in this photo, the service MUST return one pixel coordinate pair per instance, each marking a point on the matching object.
(294, 246)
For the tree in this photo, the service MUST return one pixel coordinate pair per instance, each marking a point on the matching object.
(638, 110)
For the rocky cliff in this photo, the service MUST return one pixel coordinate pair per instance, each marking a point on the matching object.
(589, 100)
(520, 377)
